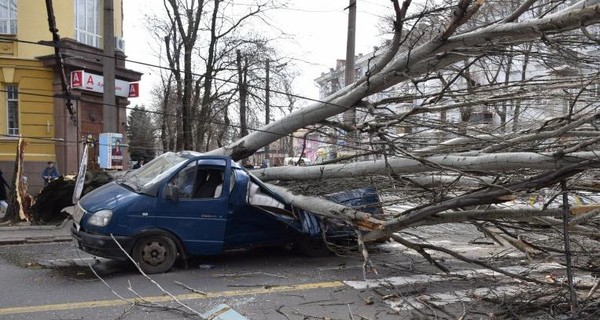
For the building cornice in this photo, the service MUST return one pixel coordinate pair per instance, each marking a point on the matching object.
(77, 55)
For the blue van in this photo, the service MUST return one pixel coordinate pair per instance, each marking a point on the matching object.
(188, 204)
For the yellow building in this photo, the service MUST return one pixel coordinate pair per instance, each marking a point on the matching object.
(32, 99)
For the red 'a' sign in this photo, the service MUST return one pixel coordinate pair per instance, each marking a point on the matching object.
(76, 78)
(134, 90)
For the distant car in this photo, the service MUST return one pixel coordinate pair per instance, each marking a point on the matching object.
(188, 204)
(295, 161)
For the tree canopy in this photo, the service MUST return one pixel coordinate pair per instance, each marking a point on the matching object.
(141, 134)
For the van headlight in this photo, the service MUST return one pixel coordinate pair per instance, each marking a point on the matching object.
(100, 218)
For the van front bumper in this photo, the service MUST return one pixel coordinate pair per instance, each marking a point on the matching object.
(102, 245)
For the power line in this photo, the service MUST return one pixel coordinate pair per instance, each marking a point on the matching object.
(102, 55)
(166, 115)
(57, 45)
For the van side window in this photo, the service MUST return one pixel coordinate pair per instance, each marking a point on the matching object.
(208, 183)
(185, 180)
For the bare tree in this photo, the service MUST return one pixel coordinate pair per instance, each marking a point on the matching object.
(200, 39)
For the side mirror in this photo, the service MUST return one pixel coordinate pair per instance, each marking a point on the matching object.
(172, 193)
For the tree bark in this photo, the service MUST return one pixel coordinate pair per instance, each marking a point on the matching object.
(481, 163)
(17, 211)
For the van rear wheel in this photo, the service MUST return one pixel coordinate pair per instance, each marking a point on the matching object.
(155, 253)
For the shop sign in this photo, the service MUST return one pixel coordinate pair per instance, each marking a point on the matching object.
(83, 80)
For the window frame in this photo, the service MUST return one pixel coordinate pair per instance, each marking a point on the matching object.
(12, 109)
(89, 9)
(10, 21)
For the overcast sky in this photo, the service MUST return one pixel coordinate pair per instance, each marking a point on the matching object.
(319, 28)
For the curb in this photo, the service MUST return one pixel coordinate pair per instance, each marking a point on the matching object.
(36, 234)
(34, 227)
(39, 239)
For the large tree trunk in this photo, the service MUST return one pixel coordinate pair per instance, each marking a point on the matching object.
(482, 163)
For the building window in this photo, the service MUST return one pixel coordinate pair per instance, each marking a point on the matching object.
(87, 22)
(484, 117)
(12, 109)
(8, 16)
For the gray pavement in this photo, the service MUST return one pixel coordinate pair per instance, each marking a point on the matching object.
(24, 232)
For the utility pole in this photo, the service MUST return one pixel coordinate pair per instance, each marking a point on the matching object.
(267, 106)
(350, 115)
(242, 69)
(110, 141)
(110, 113)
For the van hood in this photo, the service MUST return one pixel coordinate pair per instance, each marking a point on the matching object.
(108, 196)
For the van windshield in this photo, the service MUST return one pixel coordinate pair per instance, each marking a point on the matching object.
(147, 178)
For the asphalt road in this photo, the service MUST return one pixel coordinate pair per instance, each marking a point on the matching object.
(56, 281)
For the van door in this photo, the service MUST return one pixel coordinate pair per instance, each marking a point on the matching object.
(198, 214)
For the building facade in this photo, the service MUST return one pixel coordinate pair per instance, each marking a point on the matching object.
(520, 113)
(32, 96)
(336, 143)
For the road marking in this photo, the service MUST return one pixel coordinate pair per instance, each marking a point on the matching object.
(462, 295)
(180, 297)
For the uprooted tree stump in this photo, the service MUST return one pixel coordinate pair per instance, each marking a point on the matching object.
(58, 194)
(49, 203)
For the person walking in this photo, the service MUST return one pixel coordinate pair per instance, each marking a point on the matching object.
(139, 164)
(50, 173)
(3, 194)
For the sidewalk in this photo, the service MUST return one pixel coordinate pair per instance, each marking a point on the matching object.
(25, 233)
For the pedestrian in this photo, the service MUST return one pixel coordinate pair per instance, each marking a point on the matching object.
(50, 173)
(138, 164)
(3, 195)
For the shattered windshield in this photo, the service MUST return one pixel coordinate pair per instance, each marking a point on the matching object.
(147, 178)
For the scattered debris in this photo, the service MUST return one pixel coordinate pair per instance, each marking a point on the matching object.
(223, 312)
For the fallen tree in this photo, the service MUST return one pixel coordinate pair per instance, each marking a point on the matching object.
(530, 65)
(421, 59)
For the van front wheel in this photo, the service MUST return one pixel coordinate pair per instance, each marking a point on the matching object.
(155, 253)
